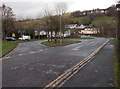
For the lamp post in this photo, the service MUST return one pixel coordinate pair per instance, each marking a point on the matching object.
(60, 30)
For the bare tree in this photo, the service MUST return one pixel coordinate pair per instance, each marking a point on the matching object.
(8, 21)
(55, 21)
(54, 26)
(47, 13)
(60, 9)
(112, 11)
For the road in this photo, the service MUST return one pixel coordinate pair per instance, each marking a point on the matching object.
(36, 65)
(97, 73)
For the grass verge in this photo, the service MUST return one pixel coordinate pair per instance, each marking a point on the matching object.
(6, 46)
(64, 42)
(116, 67)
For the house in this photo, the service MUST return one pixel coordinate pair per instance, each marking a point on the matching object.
(75, 26)
(67, 32)
(89, 31)
(71, 26)
(80, 27)
(40, 32)
(94, 11)
(43, 32)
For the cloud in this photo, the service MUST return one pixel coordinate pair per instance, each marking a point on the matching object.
(31, 8)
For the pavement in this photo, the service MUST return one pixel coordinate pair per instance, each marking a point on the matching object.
(98, 72)
(36, 65)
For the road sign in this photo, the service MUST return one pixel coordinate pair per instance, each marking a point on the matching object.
(13, 35)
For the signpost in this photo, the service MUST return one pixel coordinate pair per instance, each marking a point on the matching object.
(13, 35)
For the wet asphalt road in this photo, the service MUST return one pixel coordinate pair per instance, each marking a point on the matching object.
(97, 73)
(36, 65)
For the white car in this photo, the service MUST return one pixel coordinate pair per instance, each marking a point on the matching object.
(25, 38)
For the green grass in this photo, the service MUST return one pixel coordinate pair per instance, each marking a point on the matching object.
(99, 20)
(6, 46)
(52, 43)
(116, 67)
(79, 19)
(96, 21)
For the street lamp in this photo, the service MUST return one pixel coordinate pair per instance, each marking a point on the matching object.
(60, 30)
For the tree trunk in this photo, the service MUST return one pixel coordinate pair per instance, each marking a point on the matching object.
(63, 35)
(48, 36)
(51, 35)
(39, 35)
(55, 37)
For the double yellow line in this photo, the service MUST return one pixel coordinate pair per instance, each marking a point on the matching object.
(58, 81)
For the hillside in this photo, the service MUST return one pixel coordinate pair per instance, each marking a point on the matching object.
(81, 20)
(95, 22)
(105, 19)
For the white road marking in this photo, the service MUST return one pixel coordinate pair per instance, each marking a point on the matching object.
(92, 42)
(14, 68)
(20, 54)
(41, 50)
(77, 48)
(32, 52)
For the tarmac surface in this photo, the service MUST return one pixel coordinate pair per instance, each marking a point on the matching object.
(98, 72)
(36, 65)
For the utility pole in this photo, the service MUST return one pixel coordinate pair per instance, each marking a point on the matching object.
(60, 31)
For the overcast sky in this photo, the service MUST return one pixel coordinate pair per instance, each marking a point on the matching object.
(34, 8)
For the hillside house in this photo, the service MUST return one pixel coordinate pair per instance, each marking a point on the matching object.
(89, 31)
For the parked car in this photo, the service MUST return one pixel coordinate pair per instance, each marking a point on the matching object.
(25, 38)
(10, 39)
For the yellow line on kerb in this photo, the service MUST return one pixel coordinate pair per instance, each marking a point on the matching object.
(65, 75)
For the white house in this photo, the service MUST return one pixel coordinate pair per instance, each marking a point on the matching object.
(42, 32)
(80, 27)
(71, 26)
(89, 31)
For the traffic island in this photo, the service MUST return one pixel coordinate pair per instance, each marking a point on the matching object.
(57, 43)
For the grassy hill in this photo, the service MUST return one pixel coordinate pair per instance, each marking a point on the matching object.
(105, 19)
(81, 20)
(96, 21)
